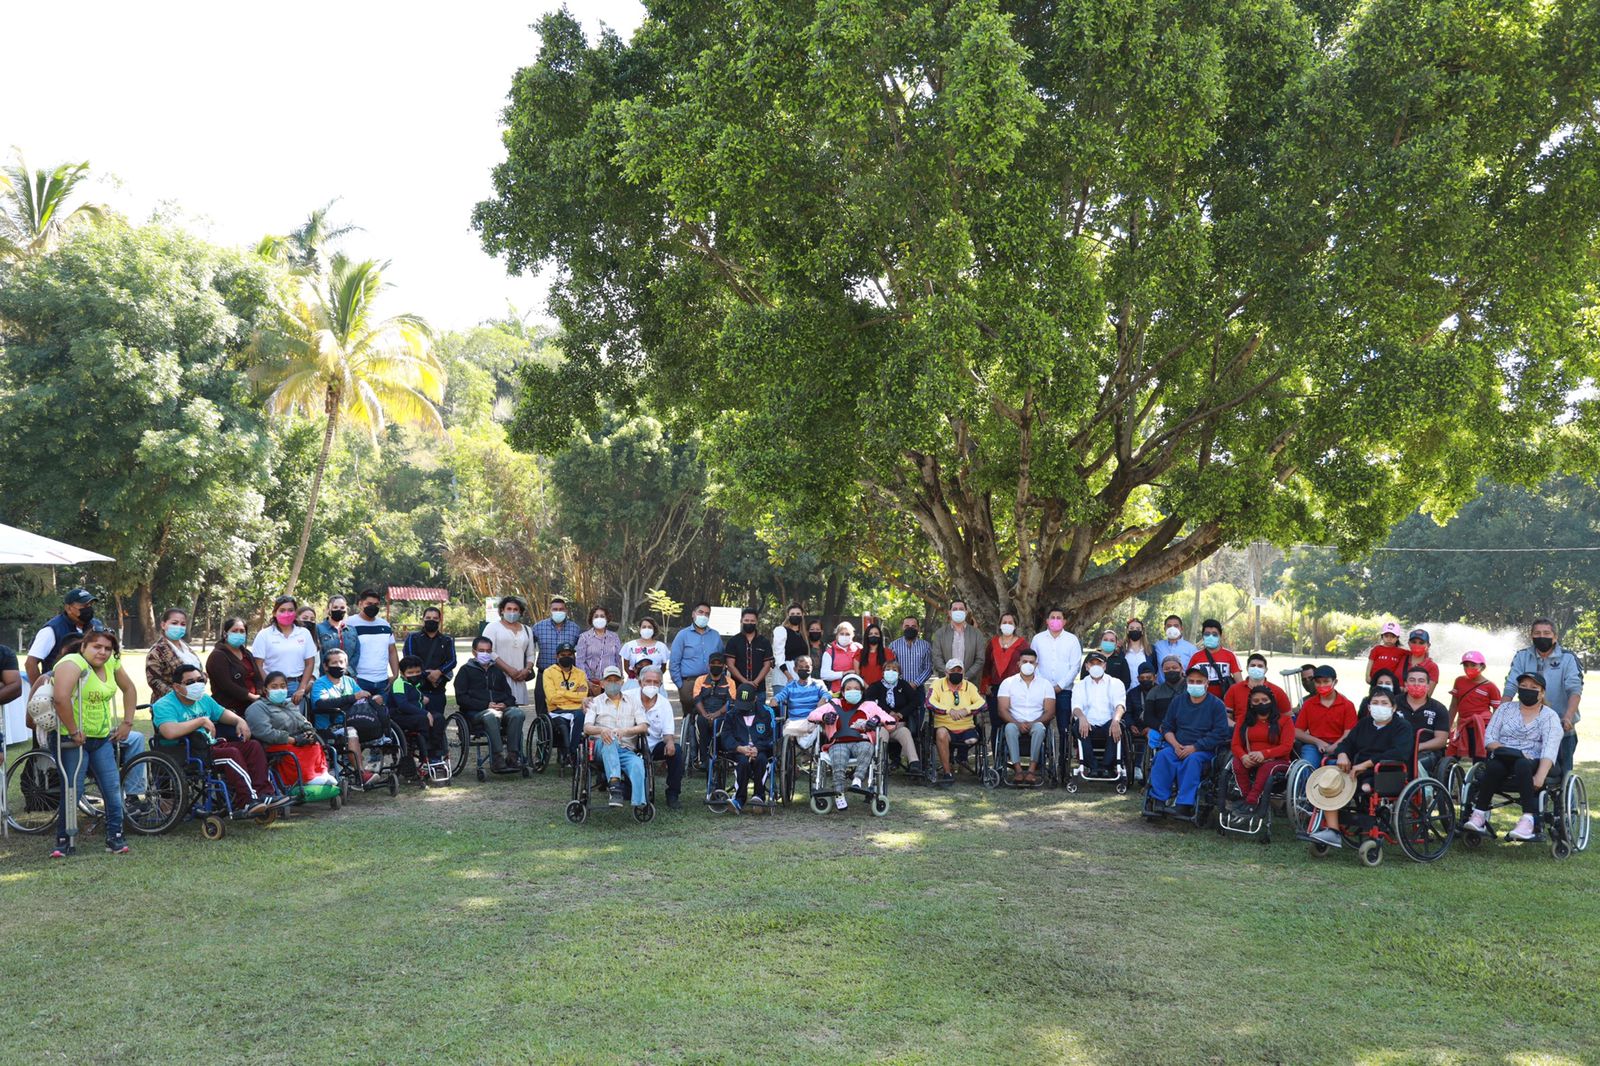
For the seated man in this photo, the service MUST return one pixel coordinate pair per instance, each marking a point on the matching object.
(336, 695)
(798, 698)
(187, 711)
(710, 696)
(1027, 704)
(662, 739)
(955, 702)
(408, 709)
(484, 695)
(748, 736)
(566, 691)
(1382, 736)
(1099, 703)
(618, 723)
(1325, 718)
(1195, 728)
(1428, 717)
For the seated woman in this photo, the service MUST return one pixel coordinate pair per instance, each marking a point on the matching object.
(187, 712)
(954, 701)
(1195, 728)
(1325, 718)
(335, 696)
(1523, 740)
(275, 723)
(847, 733)
(1381, 736)
(747, 737)
(1262, 742)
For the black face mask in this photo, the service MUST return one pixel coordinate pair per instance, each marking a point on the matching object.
(370, 610)
(803, 674)
(955, 677)
(565, 660)
(430, 626)
(715, 671)
(337, 614)
(1147, 683)
(1135, 634)
(796, 620)
(1172, 677)
(1528, 696)
(86, 616)
(335, 672)
(414, 680)
(874, 640)
(910, 632)
(1260, 708)
(1543, 644)
(816, 636)
(749, 627)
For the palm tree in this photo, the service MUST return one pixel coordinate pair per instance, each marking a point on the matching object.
(326, 352)
(303, 247)
(34, 215)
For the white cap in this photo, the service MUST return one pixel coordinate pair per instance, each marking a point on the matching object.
(610, 671)
(953, 664)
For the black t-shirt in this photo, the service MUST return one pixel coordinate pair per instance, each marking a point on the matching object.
(748, 653)
(8, 659)
(1432, 716)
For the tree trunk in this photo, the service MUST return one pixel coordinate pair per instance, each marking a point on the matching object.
(139, 629)
(316, 489)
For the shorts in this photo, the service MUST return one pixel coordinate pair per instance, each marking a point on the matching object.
(369, 726)
(960, 739)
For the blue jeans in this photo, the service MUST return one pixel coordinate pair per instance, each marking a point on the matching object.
(1310, 753)
(1569, 747)
(134, 745)
(102, 757)
(1187, 773)
(619, 762)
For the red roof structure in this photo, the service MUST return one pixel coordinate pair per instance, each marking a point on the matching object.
(417, 595)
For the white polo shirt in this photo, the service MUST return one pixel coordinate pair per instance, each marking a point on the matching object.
(1060, 658)
(285, 653)
(1027, 696)
(659, 717)
(1098, 700)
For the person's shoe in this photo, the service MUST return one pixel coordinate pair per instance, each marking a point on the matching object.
(1184, 810)
(1330, 837)
(856, 786)
(1168, 807)
(946, 780)
(367, 778)
(840, 803)
(675, 803)
(1523, 830)
(497, 762)
(1479, 822)
(915, 769)
(117, 846)
(138, 805)
(614, 794)
(640, 808)
(61, 851)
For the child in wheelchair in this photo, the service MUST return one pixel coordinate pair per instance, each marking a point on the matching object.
(849, 735)
(287, 733)
(338, 700)
(428, 760)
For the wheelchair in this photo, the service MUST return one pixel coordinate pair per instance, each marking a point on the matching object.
(1075, 775)
(1212, 786)
(1467, 740)
(795, 756)
(466, 735)
(1562, 818)
(722, 776)
(1404, 808)
(183, 781)
(977, 754)
(875, 783)
(1251, 823)
(1048, 767)
(585, 769)
(380, 757)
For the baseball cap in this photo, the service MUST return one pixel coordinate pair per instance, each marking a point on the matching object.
(1473, 657)
(1391, 627)
(77, 596)
(564, 646)
(1095, 656)
(1325, 671)
(610, 671)
(952, 664)
(1420, 634)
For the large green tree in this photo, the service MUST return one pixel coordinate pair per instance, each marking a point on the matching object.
(1080, 290)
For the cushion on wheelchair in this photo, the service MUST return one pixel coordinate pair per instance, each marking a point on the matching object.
(1389, 782)
(798, 727)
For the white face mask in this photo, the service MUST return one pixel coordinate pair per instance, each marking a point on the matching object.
(599, 623)
(958, 617)
(1006, 628)
(558, 617)
(1256, 672)
(891, 678)
(1097, 672)
(702, 620)
(650, 691)
(1173, 632)
(844, 640)
(1380, 714)
(1026, 669)
(195, 689)
(647, 633)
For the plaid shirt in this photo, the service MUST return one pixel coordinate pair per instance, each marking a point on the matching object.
(550, 636)
(916, 659)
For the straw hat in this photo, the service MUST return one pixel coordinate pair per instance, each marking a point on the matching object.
(1329, 788)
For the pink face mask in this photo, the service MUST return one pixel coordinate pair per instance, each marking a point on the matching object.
(1056, 625)
(285, 618)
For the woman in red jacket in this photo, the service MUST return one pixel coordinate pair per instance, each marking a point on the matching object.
(1263, 742)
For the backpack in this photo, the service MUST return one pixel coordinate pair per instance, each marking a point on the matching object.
(41, 712)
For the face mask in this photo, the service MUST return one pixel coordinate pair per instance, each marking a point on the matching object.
(236, 640)
(511, 616)
(86, 616)
(558, 617)
(1027, 669)
(852, 696)
(430, 626)
(650, 691)
(599, 623)
(874, 640)
(844, 640)
(176, 632)
(796, 620)
(285, 618)
(1147, 682)
(485, 657)
(1196, 691)
(647, 633)
(1260, 708)
(1416, 688)
(1528, 696)
(337, 614)
(1006, 629)
(749, 627)
(370, 610)
(802, 672)
(1135, 635)
(701, 621)
(1172, 677)
(891, 678)
(1472, 669)
(277, 695)
(335, 672)
(565, 660)
(1324, 687)
(1108, 646)
(413, 679)
(1097, 672)
(612, 688)
(910, 633)
(1056, 625)
(1173, 632)
(195, 689)
(1381, 713)
(1543, 644)
(958, 617)
(1385, 686)
(1256, 673)
(955, 678)
(815, 636)
(1211, 641)
(1419, 650)
(716, 671)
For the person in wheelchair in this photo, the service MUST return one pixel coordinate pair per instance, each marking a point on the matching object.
(1027, 704)
(408, 710)
(337, 697)
(747, 738)
(275, 723)
(1194, 729)
(709, 699)
(1381, 736)
(1429, 718)
(1099, 704)
(903, 700)
(187, 712)
(847, 734)
(1523, 743)
(484, 695)
(955, 702)
(1263, 743)
(618, 725)
(566, 693)
(661, 741)
(798, 698)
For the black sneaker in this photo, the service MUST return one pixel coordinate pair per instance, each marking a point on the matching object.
(915, 769)
(117, 846)
(675, 803)
(1184, 810)
(614, 796)
(946, 780)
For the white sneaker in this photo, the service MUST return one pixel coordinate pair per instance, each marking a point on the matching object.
(856, 784)
(839, 803)
(1523, 829)
(1329, 837)
(1479, 822)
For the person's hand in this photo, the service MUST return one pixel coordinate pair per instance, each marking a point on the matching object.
(1538, 779)
(244, 729)
(1083, 727)
(1324, 747)
(1344, 763)
(1116, 730)
(1567, 724)
(669, 747)
(77, 737)
(434, 676)
(830, 717)
(122, 731)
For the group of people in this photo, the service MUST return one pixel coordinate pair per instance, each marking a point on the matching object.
(1190, 703)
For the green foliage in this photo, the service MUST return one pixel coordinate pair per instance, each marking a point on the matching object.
(36, 211)
(1072, 294)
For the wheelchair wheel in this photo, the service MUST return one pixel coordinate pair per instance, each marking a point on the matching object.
(33, 791)
(880, 806)
(717, 801)
(990, 776)
(1575, 812)
(541, 743)
(789, 761)
(335, 802)
(457, 742)
(213, 827)
(1370, 852)
(577, 812)
(1295, 795)
(819, 804)
(644, 814)
(1425, 819)
(1455, 779)
(166, 794)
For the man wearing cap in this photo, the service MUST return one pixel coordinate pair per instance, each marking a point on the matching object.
(1382, 736)
(566, 690)
(954, 701)
(1099, 703)
(1563, 682)
(617, 722)
(76, 618)
(1418, 657)
(1195, 729)
(1387, 654)
(1027, 703)
(1325, 718)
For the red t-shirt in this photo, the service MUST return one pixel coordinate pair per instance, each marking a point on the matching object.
(1226, 664)
(1476, 699)
(1257, 738)
(1383, 657)
(1426, 664)
(1238, 699)
(1003, 661)
(1327, 724)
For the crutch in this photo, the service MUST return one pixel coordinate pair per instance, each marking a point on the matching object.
(5, 809)
(69, 791)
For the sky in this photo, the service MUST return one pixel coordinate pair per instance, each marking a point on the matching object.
(238, 119)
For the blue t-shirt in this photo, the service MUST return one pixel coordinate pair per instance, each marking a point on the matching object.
(170, 708)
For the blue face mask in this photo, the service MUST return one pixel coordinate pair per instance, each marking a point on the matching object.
(236, 640)
(1196, 691)
(277, 695)
(1211, 641)
(1107, 646)
(177, 632)
(1256, 673)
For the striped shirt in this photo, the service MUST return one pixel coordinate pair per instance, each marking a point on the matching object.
(550, 636)
(915, 658)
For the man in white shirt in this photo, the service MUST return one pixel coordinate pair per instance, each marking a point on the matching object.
(1026, 702)
(378, 661)
(1060, 659)
(1098, 704)
(661, 741)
